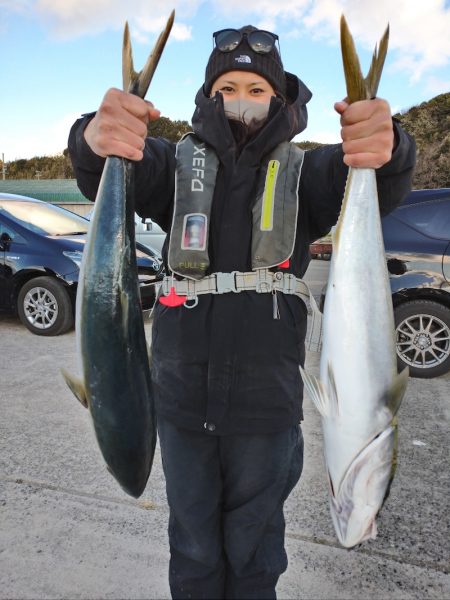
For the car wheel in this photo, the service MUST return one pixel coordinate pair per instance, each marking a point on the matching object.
(45, 307)
(422, 330)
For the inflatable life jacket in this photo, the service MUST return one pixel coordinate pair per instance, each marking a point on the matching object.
(274, 211)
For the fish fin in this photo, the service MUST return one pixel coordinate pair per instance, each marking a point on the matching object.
(316, 391)
(333, 396)
(338, 227)
(394, 426)
(394, 395)
(77, 387)
(357, 500)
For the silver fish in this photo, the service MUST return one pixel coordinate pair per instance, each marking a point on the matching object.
(116, 384)
(359, 390)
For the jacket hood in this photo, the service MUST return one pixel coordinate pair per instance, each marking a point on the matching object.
(286, 119)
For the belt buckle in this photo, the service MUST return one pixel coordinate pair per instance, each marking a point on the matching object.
(264, 281)
(289, 282)
(226, 282)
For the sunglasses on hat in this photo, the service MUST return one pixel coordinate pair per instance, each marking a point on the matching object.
(262, 42)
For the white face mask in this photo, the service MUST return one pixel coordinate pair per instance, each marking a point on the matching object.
(246, 110)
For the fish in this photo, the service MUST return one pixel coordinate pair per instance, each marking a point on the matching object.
(359, 390)
(116, 384)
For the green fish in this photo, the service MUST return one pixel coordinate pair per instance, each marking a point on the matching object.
(116, 384)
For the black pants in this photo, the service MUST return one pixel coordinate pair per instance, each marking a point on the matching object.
(226, 496)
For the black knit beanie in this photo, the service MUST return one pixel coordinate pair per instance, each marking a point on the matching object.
(243, 58)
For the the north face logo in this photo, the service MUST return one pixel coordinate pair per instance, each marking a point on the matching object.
(243, 58)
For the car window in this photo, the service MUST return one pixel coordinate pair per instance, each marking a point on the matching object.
(45, 219)
(12, 235)
(431, 218)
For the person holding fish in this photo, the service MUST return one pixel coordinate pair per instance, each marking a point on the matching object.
(230, 324)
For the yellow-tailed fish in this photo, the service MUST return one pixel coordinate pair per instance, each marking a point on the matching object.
(115, 385)
(359, 390)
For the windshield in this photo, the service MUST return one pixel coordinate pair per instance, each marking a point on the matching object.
(45, 219)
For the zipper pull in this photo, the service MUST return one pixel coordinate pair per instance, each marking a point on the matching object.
(276, 312)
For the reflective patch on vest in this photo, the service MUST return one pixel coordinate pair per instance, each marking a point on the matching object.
(269, 195)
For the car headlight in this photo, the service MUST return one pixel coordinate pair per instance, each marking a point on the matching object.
(75, 256)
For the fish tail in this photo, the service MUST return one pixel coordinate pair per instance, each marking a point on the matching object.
(358, 86)
(138, 83)
(129, 75)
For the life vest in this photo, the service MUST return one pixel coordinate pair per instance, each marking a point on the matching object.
(274, 211)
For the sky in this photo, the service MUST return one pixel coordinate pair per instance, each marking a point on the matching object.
(58, 57)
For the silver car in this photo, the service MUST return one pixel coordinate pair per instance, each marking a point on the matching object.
(147, 232)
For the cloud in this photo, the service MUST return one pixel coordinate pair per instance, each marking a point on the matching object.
(18, 6)
(419, 40)
(71, 18)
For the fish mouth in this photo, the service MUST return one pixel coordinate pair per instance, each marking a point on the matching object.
(360, 496)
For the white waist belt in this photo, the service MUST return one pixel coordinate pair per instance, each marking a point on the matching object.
(261, 281)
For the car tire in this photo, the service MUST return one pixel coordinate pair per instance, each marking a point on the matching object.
(45, 307)
(422, 329)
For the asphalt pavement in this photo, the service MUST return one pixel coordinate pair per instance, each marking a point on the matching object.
(68, 531)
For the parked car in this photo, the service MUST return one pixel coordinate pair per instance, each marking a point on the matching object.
(417, 244)
(41, 247)
(147, 232)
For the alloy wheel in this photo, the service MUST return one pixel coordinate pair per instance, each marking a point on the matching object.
(423, 341)
(40, 307)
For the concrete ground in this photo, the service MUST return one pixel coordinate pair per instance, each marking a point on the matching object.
(68, 531)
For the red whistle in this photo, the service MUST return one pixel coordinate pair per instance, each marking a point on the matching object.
(172, 299)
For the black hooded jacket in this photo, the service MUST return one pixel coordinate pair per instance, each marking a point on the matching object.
(227, 366)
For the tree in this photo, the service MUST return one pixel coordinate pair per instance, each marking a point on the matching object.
(171, 130)
(428, 123)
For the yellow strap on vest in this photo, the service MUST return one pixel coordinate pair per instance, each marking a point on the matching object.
(269, 195)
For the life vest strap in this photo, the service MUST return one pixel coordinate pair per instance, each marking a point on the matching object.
(261, 281)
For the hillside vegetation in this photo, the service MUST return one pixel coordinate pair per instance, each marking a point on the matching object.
(428, 123)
